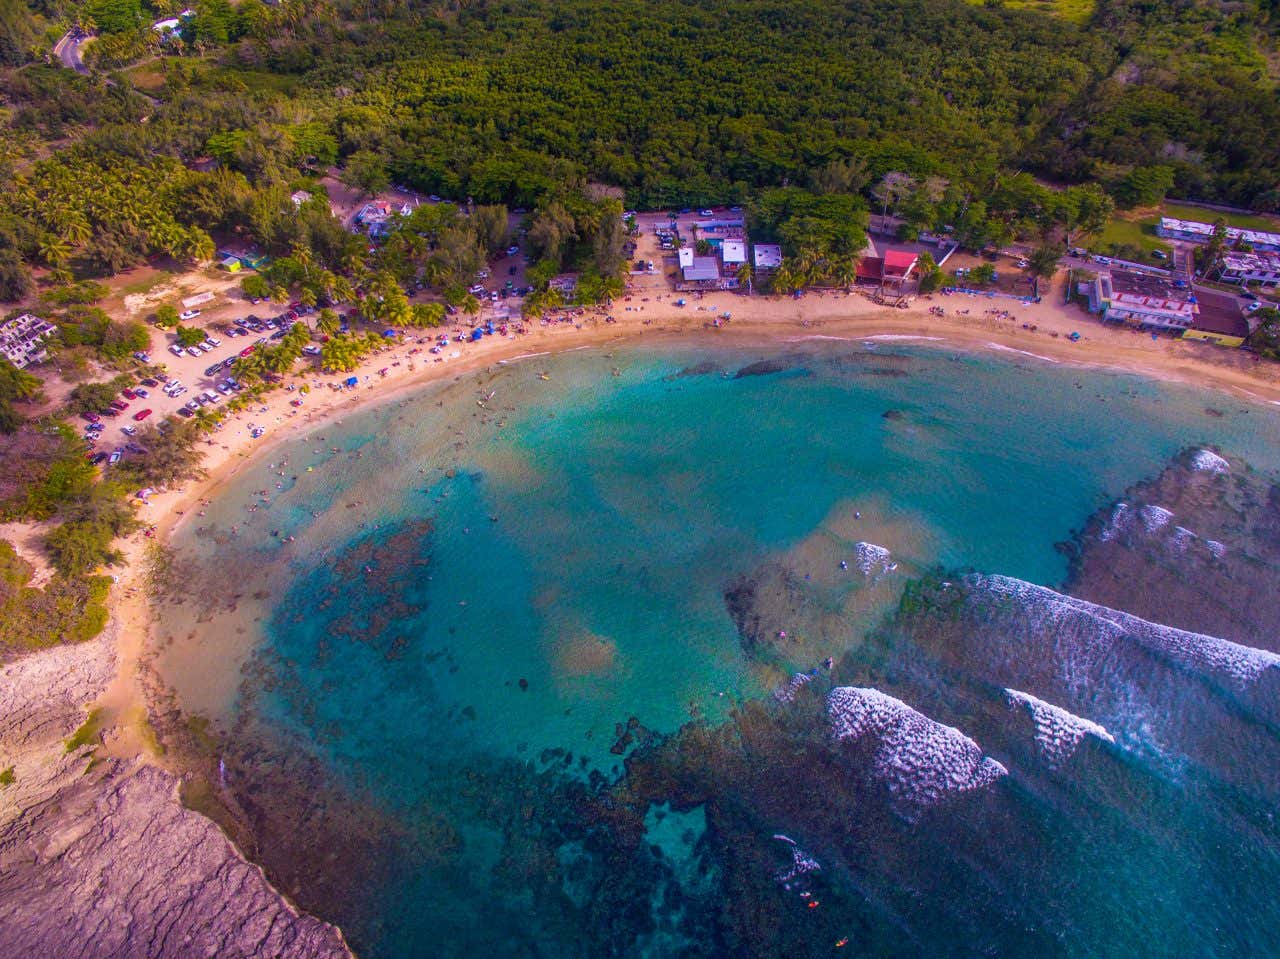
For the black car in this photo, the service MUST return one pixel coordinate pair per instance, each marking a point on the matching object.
(183, 411)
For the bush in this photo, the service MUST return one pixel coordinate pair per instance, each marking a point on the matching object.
(66, 610)
(167, 316)
(189, 335)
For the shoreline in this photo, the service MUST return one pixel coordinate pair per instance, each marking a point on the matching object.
(127, 704)
(755, 321)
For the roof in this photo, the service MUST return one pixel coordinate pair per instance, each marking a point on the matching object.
(1196, 228)
(899, 260)
(871, 268)
(703, 268)
(1223, 324)
(685, 256)
(734, 251)
(767, 255)
(1252, 262)
(1155, 292)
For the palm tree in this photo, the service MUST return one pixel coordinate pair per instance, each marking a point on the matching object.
(745, 275)
(54, 250)
(327, 322)
(846, 272)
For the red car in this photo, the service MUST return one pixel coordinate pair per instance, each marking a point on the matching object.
(141, 415)
(119, 405)
(91, 417)
(246, 351)
(129, 394)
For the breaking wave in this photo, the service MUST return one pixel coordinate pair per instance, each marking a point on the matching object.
(1058, 732)
(920, 761)
(1207, 461)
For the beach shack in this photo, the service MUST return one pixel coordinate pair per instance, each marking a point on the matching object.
(231, 264)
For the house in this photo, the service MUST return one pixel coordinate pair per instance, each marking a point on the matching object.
(1194, 231)
(1220, 320)
(231, 264)
(300, 197)
(768, 256)
(684, 256)
(702, 273)
(565, 283)
(22, 340)
(1262, 269)
(733, 253)
(1144, 301)
(893, 269)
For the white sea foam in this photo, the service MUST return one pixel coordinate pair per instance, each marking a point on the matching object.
(1058, 732)
(872, 559)
(1009, 349)
(920, 761)
(1217, 549)
(787, 691)
(1155, 518)
(1182, 538)
(1206, 461)
(801, 862)
(1121, 521)
(895, 337)
(1098, 630)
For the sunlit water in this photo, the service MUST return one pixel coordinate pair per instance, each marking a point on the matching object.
(522, 560)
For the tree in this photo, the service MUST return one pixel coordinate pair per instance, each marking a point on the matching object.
(1265, 339)
(745, 275)
(365, 171)
(189, 335)
(982, 274)
(1042, 263)
(172, 454)
(1211, 255)
(931, 275)
(90, 397)
(1145, 186)
(16, 282)
(123, 337)
(327, 322)
(490, 226)
(891, 189)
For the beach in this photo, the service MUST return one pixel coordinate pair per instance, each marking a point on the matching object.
(968, 326)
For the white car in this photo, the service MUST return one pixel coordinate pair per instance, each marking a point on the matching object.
(208, 346)
(193, 351)
(706, 213)
(188, 315)
(176, 350)
(214, 341)
(128, 430)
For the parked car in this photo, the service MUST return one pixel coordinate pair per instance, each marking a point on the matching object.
(114, 458)
(129, 430)
(91, 417)
(149, 381)
(183, 411)
(176, 350)
(188, 314)
(1160, 254)
(1102, 259)
(512, 250)
(98, 458)
(208, 346)
(119, 405)
(706, 213)
(141, 415)
(194, 351)
(140, 393)
(142, 357)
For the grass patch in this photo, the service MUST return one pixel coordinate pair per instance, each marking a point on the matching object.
(1073, 11)
(7, 777)
(87, 733)
(1139, 233)
(147, 284)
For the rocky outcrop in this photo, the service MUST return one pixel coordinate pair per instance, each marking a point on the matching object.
(98, 858)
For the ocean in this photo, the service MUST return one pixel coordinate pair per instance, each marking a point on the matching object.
(640, 653)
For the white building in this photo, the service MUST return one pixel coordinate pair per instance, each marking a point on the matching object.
(22, 340)
(1262, 269)
(1197, 232)
(733, 252)
(685, 256)
(1144, 301)
(768, 256)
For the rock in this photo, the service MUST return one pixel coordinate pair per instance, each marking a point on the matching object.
(101, 859)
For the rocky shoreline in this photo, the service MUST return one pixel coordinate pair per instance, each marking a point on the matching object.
(98, 856)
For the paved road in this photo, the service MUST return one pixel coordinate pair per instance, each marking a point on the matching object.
(67, 50)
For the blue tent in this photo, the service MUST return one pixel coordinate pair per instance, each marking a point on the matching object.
(353, 381)
(389, 333)
(476, 334)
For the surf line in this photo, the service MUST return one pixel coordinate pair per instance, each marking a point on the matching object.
(523, 356)
(1010, 349)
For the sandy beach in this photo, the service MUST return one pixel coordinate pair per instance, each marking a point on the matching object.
(651, 316)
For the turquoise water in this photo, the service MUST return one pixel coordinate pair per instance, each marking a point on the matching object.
(456, 614)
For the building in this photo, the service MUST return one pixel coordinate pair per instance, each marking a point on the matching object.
(566, 284)
(702, 273)
(1262, 269)
(684, 257)
(1194, 231)
(1144, 301)
(767, 256)
(733, 253)
(893, 269)
(1219, 321)
(231, 264)
(22, 340)
(300, 197)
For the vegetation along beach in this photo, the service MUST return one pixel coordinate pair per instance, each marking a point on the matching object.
(679, 479)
